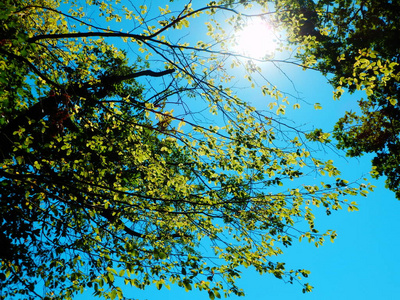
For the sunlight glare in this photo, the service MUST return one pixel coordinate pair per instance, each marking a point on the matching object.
(257, 39)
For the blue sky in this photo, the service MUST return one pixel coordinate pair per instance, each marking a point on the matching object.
(362, 263)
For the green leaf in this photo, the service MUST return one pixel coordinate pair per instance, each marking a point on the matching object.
(317, 106)
(113, 294)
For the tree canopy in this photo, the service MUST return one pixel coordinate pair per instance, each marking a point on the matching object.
(356, 44)
(129, 158)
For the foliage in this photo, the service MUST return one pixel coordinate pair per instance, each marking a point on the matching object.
(111, 173)
(356, 43)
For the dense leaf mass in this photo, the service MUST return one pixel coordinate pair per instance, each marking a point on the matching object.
(356, 44)
(126, 157)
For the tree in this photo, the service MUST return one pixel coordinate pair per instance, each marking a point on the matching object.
(355, 42)
(109, 177)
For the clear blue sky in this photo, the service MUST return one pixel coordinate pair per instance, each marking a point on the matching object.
(363, 261)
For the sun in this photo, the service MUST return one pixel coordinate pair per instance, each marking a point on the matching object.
(257, 39)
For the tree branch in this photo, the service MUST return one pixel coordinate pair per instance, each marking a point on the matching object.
(107, 81)
(116, 79)
(86, 34)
